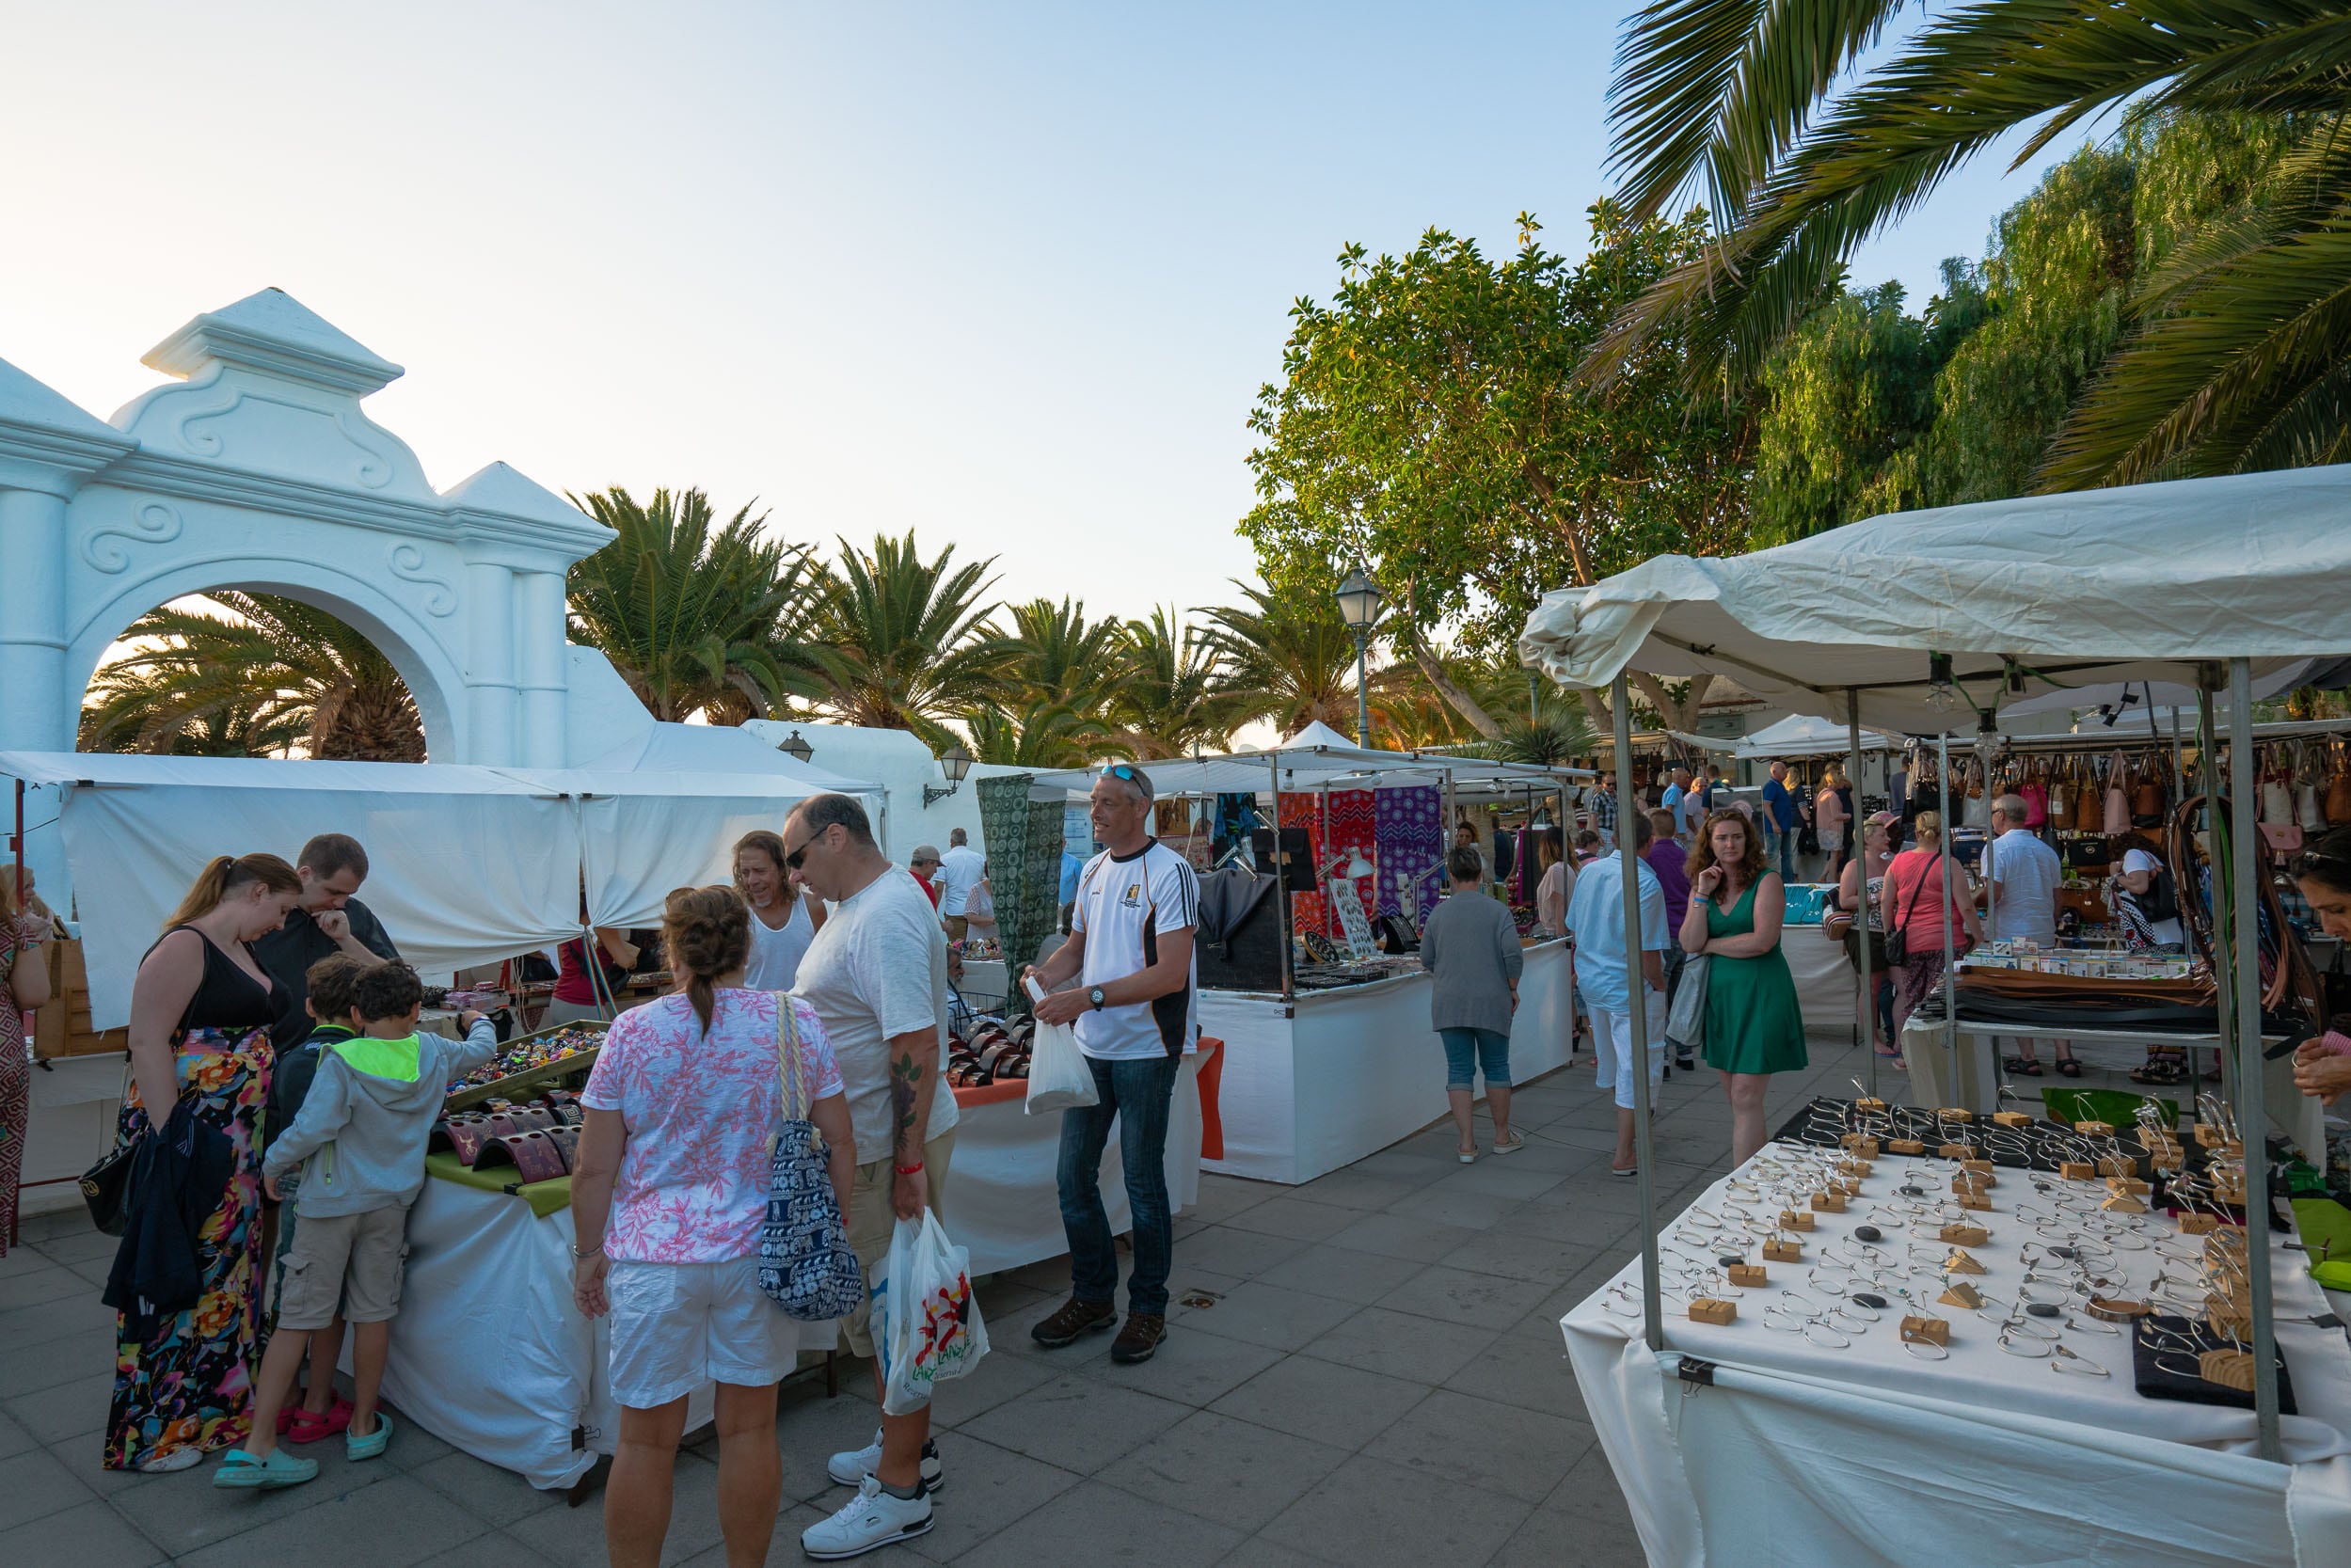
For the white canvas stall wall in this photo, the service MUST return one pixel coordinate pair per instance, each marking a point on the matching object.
(635, 849)
(458, 880)
(1356, 1069)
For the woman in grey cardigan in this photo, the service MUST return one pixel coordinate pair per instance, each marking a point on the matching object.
(1472, 948)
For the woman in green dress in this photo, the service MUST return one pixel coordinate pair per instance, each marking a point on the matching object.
(1753, 1025)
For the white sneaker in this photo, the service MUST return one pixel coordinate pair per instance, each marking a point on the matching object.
(872, 1519)
(853, 1466)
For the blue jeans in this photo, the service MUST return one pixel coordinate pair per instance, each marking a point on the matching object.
(1467, 1049)
(1136, 1094)
(1788, 853)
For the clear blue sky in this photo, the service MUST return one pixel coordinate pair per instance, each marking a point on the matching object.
(1009, 274)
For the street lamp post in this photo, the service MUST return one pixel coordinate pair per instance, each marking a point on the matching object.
(1359, 604)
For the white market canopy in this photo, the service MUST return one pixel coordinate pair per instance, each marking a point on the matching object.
(2032, 595)
(1317, 756)
(1798, 735)
(466, 865)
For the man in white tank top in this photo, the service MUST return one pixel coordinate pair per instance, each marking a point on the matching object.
(783, 922)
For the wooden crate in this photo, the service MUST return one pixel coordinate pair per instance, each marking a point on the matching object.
(62, 1027)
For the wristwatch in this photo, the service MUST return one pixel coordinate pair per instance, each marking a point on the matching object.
(1096, 997)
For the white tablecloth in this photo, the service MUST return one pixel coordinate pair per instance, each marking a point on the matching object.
(71, 1123)
(1798, 1453)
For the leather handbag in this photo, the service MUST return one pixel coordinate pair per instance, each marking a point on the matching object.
(2118, 812)
(2089, 815)
(2306, 776)
(2062, 798)
(2339, 793)
(2277, 789)
(2147, 798)
(805, 1265)
(107, 1187)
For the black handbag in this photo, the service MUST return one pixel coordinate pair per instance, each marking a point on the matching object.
(107, 1187)
(1895, 949)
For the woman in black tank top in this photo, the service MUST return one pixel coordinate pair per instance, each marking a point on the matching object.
(201, 1011)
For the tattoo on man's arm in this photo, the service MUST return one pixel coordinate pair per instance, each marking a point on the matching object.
(905, 1079)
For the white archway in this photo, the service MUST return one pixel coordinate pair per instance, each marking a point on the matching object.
(259, 469)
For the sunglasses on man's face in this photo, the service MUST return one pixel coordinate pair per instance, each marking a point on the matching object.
(793, 856)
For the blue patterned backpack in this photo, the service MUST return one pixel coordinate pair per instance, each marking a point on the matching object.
(806, 1264)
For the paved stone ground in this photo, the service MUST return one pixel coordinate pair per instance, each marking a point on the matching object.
(1379, 1379)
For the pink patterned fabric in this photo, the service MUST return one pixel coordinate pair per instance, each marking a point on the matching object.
(1351, 826)
(1307, 910)
(700, 1109)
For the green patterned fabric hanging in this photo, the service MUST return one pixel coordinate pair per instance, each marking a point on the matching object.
(1023, 841)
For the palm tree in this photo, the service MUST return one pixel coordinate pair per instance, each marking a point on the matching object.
(132, 708)
(1059, 655)
(1169, 698)
(2239, 359)
(696, 621)
(905, 643)
(1039, 732)
(271, 670)
(1287, 660)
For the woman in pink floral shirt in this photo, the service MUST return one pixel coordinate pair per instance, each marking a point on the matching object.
(667, 1203)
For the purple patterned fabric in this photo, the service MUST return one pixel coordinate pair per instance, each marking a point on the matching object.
(1408, 829)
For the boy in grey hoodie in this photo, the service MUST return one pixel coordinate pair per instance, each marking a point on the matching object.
(360, 1139)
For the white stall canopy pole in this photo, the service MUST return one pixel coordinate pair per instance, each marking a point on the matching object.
(1636, 1014)
(1950, 959)
(1860, 853)
(2252, 1081)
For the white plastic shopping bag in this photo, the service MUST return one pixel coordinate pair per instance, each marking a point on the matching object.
(1058, 1078)
(927, 1322)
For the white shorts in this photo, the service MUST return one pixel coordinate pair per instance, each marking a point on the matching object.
(1831, 841)
(1611, 1040)
(676, 1326)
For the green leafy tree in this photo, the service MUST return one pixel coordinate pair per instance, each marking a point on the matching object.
(270, 670)
(904, 643)
(1059, 655)
(2237, 358)
(1424, 426)
(1039, 732)
(695, 618)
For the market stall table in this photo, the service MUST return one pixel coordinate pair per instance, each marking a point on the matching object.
(1334, 1075)
(1736, 1444)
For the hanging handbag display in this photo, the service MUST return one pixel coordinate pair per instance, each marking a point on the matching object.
(805, 1265)
(2306, 768)
(2061, 798)
(2088, 811)
(2339, 789)
(2118, 810)
(2147, 796)
(2277, 789)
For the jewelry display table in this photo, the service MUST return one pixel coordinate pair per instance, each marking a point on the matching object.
(1765, 1441)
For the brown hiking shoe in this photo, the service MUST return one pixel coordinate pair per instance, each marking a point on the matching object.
(1075, 1317)
(1139, 1338)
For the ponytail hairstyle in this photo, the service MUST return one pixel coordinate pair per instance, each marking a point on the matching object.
(224, 874)
(705, 932)
(1927, 828)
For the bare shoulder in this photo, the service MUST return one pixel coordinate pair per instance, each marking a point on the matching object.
(181, 953)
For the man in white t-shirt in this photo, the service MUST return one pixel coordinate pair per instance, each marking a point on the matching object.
(1133, 1013)
(877, 975)
(960, 871)
(2021, 892)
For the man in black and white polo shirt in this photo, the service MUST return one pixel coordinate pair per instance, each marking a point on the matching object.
(1130, 949)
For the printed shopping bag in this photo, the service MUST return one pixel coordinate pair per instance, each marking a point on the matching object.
(928, 1324)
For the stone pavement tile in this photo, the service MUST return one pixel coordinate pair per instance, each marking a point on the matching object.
(1460, 1209)
(1397, 1166)
(185, 1512)
(1076, 1423)
(1093, 1523)
(1525, 1371)
(14, 1439)
(574, 1537)
(1400, 1236)
(43, 1359)
(497, 1550)
(53, 1320)
(1369, 1511)
(33, 1484)
(72, 1221)
(1528, 1258)
(1598, 1137)
(1257, 1552)
(395, 1524)
(1268, 1315)
(1495, 1448)
(495, 1495)
(1351, 1189)
(1543, 1152)
(1399, 1344)
(56, 1415)
(1598, 1228)
(93, 1272)
(1294, 1218)
(996, 1379)
(989, 1488)
(27, 1279)
(1584, 1520)
(412, 1446)
(1499, 1176)
(1223, 1196)
(1222, 1249)
(87, 1535)
(1243, 1473)
(1190, 1368)
(1322, 1401)
(1458, 1295)
(1341, 1273)
(1001, 1295)
(81, 1246)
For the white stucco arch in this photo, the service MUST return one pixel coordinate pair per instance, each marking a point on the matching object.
(257, 467)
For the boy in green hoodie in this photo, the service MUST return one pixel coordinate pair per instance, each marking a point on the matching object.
(360, 1140)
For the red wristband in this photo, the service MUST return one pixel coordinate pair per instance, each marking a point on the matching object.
(915, 1169)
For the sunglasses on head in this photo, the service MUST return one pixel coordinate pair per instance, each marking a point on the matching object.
(1122, 772)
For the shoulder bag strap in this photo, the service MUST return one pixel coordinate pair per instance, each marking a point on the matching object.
(788, 1056)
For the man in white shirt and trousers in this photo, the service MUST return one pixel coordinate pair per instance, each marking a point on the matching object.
(960, 871)
(1130, 948)
(2021, 892)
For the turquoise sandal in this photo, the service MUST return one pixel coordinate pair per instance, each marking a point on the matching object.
(240, 1471)
(355, 1447)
